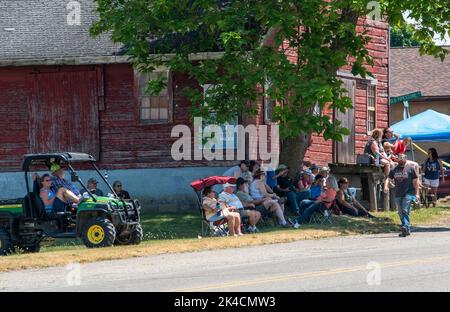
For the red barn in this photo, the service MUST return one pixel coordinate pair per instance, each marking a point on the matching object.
(61, 90)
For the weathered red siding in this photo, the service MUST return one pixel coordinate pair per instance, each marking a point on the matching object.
(123, 141)
(321, 151)
(15, 98)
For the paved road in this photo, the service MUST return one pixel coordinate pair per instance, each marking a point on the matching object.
(361, 263)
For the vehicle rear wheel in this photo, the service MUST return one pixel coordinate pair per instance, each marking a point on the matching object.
(98, 232)
(5, 243)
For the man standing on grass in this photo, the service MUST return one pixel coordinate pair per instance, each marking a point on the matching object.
(406, 181)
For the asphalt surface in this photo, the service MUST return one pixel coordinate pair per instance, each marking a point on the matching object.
(382, 262)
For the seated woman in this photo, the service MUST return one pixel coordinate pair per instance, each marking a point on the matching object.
(324, 201)
(267, 203)
(215, 211)
(259, 188)
(121, 193)
(347, 203)
(54, 202)
(375, 149)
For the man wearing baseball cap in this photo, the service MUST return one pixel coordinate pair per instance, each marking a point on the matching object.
(406, 181)
(92, 187)
(231, 200)
(58, 181)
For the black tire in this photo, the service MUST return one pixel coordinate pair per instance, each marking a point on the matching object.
(137, 235)
(134, 238)
(32, 249)
(5, 243)
(98, 232)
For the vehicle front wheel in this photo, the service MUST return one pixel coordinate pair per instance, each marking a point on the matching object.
(5, 243)
(98, 232)
(137, 235)
(133, 238)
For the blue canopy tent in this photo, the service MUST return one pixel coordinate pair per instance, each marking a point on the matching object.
(428, 126)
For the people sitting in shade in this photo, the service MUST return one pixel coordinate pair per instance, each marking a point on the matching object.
(324, 201)
(230, 199)
(347, 203)
(216, 211)
(263, 205)
(286, 188)
(259, 188)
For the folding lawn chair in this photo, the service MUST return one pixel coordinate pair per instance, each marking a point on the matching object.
(216, 228)
(323, 215)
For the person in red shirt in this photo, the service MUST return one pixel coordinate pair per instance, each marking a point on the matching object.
(400, 146)
(324, 201)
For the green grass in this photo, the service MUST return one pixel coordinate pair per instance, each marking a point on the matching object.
(176, 226)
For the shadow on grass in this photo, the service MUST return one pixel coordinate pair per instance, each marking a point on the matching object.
(164, 226)
(159, 226)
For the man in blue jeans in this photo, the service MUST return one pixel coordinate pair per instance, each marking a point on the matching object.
(406, 181)
(286, 187)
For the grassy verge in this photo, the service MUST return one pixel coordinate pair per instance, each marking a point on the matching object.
(168, 233)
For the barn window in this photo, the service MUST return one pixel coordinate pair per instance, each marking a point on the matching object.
(371, 111)
(155, 108)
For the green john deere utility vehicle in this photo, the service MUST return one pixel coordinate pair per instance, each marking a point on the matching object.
(98, 221)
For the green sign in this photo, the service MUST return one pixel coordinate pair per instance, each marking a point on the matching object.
(405, 97)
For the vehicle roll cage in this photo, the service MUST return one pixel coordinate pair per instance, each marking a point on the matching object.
(62, 159)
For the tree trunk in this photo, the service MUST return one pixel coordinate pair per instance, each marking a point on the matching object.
(293, 151)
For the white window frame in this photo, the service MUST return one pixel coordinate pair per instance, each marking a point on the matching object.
(142, 80)
(371, 109)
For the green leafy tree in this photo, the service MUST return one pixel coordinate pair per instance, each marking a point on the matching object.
(255, 37)
(402, 36)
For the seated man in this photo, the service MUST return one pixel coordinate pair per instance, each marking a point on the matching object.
(265, 204)
(58, 182)
(230, 199)
(92, 187)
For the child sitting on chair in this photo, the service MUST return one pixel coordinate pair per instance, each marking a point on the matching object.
(215, 211)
